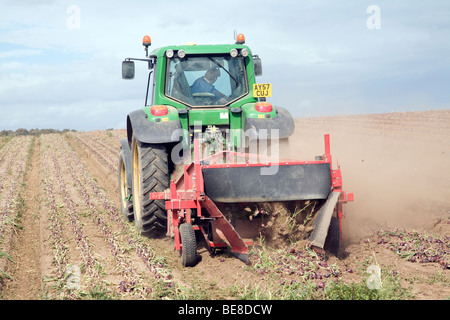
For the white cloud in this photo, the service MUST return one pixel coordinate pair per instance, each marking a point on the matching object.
(9, 66)
(19, 53)
(319, 55)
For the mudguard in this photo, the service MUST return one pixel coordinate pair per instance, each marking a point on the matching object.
(283, 122)
(152, 132)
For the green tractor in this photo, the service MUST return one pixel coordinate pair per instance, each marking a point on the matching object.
(206, 92)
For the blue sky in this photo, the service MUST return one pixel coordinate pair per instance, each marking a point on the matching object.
(60, 60)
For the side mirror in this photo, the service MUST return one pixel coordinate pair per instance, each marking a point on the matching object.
(127, 69)
(257, 66)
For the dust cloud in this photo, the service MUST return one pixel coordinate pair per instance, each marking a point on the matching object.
(397, 166)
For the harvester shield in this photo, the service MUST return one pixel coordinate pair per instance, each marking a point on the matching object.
(322, 221)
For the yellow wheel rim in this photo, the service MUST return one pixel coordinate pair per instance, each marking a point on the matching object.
(123, 185)
(136, 184)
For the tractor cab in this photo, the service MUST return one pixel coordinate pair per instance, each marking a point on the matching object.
(193, 76)
(204, 88)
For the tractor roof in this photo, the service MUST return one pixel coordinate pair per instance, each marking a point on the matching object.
(200, 49)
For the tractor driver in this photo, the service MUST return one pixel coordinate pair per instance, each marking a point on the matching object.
(205, 84)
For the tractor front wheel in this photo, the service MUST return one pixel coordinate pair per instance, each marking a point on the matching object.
(150, 174)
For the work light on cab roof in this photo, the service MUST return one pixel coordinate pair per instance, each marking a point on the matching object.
(169, 53)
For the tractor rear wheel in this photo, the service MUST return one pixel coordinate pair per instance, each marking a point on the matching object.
(150, 174)
(188, 249)
(126, 204)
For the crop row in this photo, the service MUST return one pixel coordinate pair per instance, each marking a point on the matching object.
(107, 141)
(106, 205)
(6, 165)
(106, 155)
(12, 156)
(416, 246)
(57, 240)
(104, 214)
(71, 246)
(12, 172)
(81, 239)
(297, 266)
(13, 165)
(76, 175)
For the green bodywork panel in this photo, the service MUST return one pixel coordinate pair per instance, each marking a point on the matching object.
(209, 116)
(250, 112)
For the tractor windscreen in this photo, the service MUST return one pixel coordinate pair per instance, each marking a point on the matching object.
(206, 80)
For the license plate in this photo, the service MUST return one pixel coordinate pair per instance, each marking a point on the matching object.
(262, 90)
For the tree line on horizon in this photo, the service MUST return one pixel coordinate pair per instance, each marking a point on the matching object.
(32, 132)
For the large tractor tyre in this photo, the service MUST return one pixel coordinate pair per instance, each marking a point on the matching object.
(333, 240)
(126, 204)
(150, 174)
(188, 249)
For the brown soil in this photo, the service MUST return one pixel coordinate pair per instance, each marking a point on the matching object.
(396, 165)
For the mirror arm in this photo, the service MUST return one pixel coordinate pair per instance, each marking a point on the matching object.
(148, 86)
(138, 59)
(150, 61)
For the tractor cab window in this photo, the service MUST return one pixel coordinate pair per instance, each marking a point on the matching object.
(206, 80)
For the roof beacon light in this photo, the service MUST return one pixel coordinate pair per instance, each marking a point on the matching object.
(240, 39)
(146, 41)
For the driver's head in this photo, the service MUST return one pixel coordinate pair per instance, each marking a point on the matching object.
(212, 74)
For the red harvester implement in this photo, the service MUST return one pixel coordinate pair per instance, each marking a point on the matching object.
(190, 201)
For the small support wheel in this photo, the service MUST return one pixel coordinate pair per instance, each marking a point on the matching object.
(188, 249)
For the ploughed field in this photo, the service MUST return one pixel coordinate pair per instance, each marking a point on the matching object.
(62, 235)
